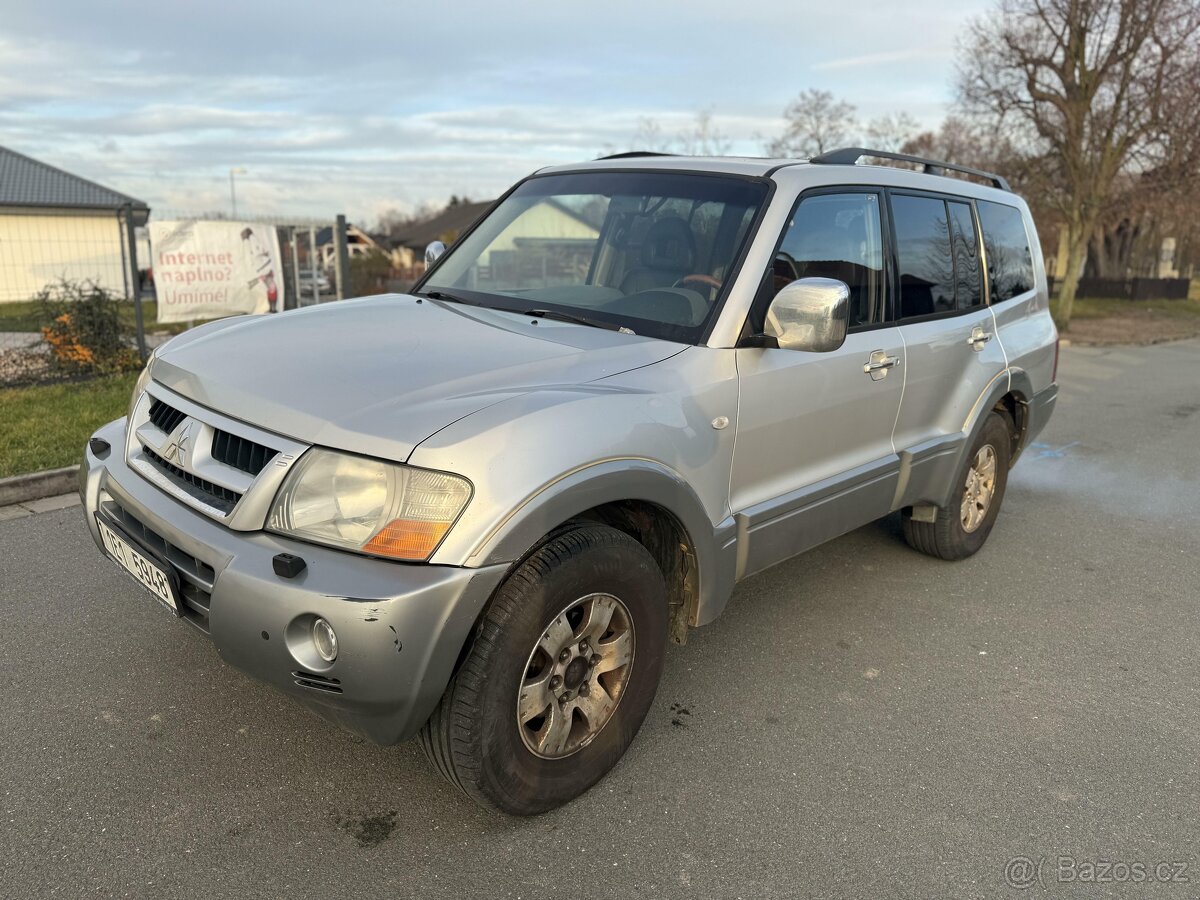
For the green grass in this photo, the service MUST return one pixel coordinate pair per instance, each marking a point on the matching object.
(23, 315)
(19, 316)
(46, 426)
(1093, 308)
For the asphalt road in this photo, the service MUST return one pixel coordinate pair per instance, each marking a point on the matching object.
(863, 722)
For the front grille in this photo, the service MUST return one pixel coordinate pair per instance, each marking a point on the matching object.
(196, 577)
(240, 452)
(221, 498)
(165, 418)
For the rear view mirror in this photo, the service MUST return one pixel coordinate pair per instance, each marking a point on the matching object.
(810, 314)
(434, 250)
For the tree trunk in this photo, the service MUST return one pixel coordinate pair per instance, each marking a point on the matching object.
(1110, 250)
(1077, 240)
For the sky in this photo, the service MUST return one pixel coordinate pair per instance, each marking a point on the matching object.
(360, 108)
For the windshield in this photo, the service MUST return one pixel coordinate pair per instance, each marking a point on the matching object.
(643, 251)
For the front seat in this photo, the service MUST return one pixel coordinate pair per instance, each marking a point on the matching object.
(668, 253)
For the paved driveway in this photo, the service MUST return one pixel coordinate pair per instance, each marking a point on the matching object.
(862, 722)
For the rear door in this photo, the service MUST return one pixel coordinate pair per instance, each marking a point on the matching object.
(814, 456)
(952, 352)
(1016, 294)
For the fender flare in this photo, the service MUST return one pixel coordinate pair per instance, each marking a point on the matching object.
(609, 481)
(1010, 381)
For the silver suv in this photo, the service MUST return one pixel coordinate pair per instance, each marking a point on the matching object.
(478, 512)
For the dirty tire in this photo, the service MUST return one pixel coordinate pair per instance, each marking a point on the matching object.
(473, 737)
(946, 537)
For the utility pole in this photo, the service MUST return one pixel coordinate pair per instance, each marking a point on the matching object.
(295, 268)
(343, 258)
(312, 263)
(133, 281)
(232, 192)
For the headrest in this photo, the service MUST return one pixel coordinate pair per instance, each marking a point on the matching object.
(669, 246)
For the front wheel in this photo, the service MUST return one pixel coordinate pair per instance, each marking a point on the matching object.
(562, 670)
(964, 525)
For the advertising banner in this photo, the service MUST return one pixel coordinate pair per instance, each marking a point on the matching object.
(205, 270)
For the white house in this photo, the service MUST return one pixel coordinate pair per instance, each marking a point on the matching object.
(57, 225)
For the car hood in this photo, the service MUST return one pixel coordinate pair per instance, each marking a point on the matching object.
(378, 376)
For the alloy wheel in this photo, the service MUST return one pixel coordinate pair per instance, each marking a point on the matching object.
(575, 675)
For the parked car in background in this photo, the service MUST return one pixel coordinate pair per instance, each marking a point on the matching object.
(307, 280)
(477, 513)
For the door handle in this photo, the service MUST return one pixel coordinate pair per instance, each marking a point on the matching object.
(879, 363)
(978, 338)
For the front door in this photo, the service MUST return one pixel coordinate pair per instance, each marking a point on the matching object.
(814, 455)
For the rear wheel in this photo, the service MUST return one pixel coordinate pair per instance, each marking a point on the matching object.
(560, 675)
(963, 526)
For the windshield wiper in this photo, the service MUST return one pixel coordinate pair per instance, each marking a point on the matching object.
(578, 320)
(452, 298)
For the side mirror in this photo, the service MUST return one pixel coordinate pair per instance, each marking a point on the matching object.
(810, 314)
(432, 251)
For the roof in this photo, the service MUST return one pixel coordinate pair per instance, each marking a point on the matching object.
(728, 165)
(325, 235)
(453, 221)
(28, 182)
(816, 171)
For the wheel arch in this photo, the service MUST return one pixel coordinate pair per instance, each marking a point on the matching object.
(1015, 402)
(1009, 393)
(650, 502)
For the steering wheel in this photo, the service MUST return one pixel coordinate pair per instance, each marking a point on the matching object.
(699, 278)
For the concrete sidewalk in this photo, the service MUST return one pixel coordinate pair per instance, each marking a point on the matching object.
(32, 507)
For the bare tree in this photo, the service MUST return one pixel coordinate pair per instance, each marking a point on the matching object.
(393, 220)
(816, 122)
(891, 132)
(704, 138)
(1156, 202)
(1086, 88)
(649, 136)
(955, 140)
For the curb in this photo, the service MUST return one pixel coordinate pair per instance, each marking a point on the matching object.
(36, 485)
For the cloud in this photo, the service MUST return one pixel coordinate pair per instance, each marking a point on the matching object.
(888, 56)
(353, 113)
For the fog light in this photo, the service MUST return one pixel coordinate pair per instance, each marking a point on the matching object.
(325, 640)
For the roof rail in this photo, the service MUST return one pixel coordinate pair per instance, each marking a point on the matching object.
(634, 154)
(849, 156)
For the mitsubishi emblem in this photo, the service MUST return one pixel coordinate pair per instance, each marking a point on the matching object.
(177, 450)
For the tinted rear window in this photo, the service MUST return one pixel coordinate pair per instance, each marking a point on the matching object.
(923, 253)
(1009, 260)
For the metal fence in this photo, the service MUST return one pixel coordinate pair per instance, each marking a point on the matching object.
(42, 248)
(43, 253)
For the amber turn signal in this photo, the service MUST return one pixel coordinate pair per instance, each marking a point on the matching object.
(407, 539)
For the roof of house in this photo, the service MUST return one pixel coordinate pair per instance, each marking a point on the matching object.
(453, 222)
(325, 235)
(28, 182)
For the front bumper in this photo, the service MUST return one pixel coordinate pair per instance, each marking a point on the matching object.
(400, 627)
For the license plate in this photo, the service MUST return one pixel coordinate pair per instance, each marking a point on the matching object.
(149, 573)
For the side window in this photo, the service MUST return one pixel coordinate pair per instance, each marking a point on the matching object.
(1009, 260)
(923, 252)
(968, 279)
(836, 236)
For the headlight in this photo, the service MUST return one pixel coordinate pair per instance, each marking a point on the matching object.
(367, 505)
(140, 385)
